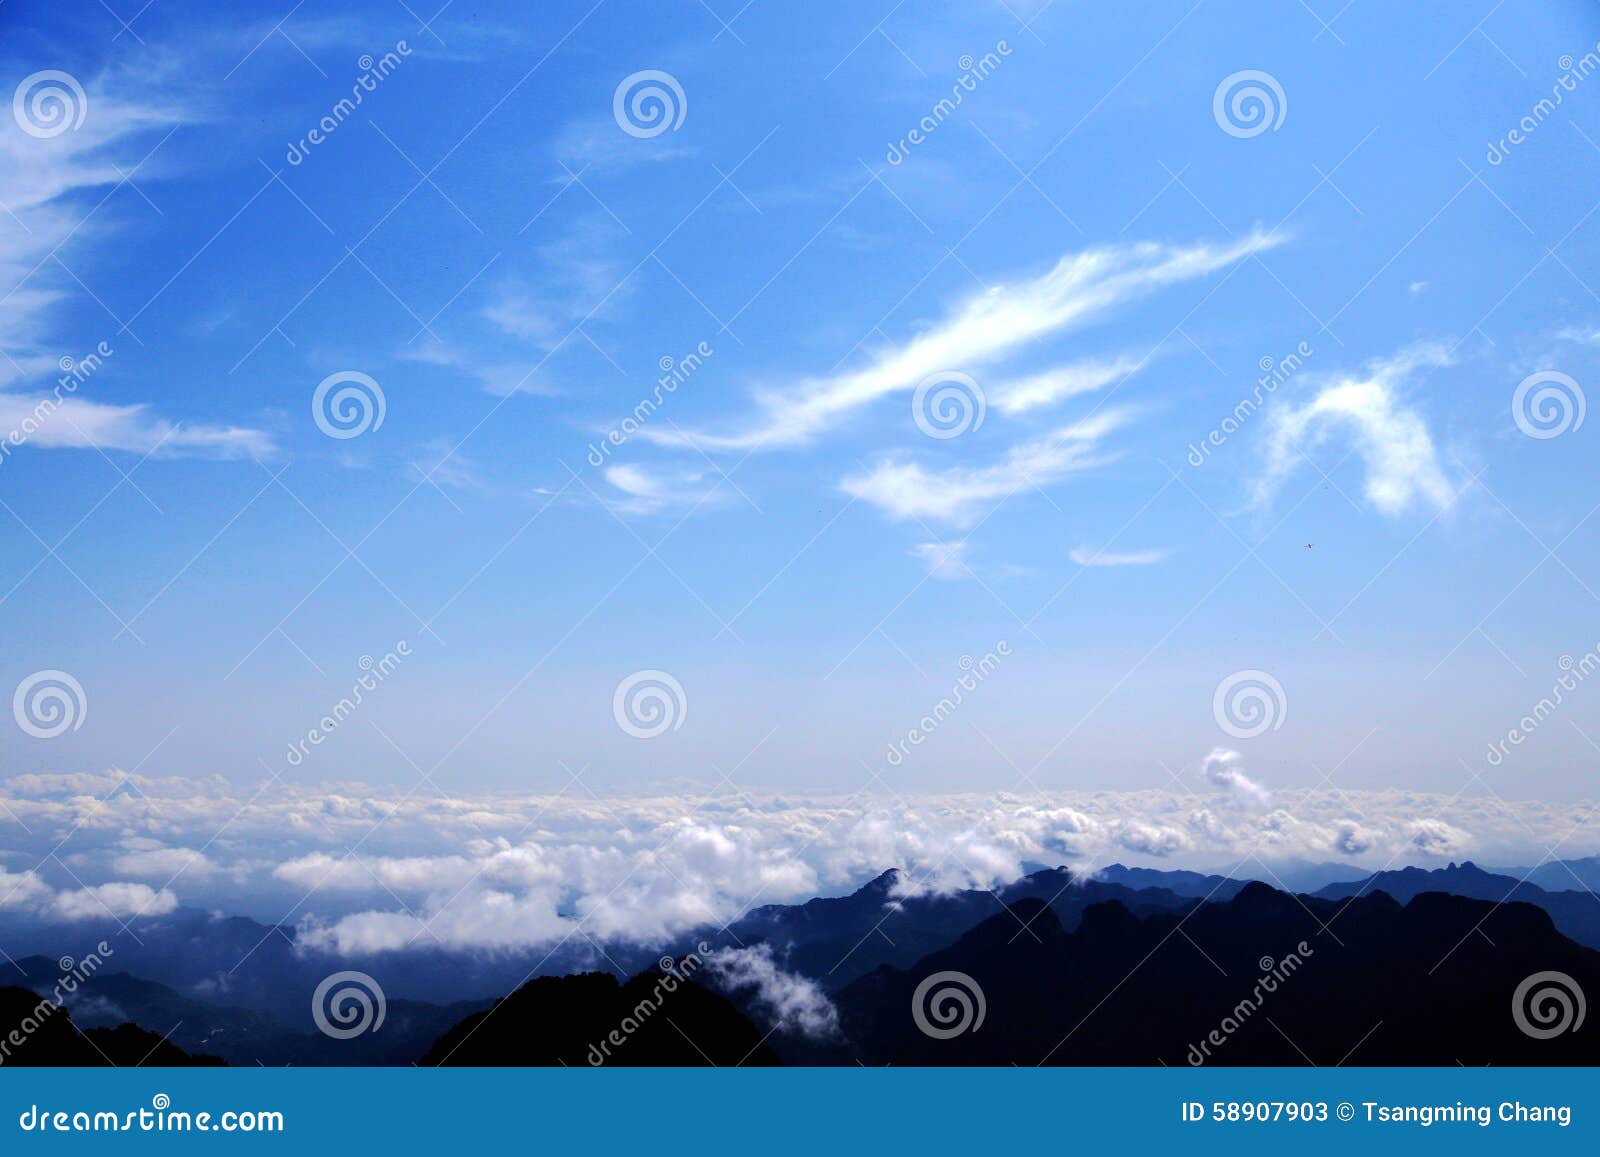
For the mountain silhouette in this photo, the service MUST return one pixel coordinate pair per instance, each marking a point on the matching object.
(591, 1019)
(837, 940)
(1576, 913)
(49, 1038)
(1376, 983)
(1581, 875)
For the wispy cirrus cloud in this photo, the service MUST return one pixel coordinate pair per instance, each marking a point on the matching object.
(906, 489)
(77, 423)
(980, 332)
(1056, 385)
(1084, 556)
(49, 187)
(944, 560)
(646, 491)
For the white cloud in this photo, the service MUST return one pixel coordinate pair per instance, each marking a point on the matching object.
(1055, 385)
(979, 332)
(511, 869)
(1083, 556)
(77, 423)
(22, 890)
(959, 495)
(647, 491)
(1402, 466)
(578, 281)
(497, 377)
(40, 184)
(944, 560)
(1435, 837)
(785, 1001)
(1221, 768)
(119, 900)
(162, 863)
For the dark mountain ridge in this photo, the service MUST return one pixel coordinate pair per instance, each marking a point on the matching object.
(1368, 982)
(1576, 913)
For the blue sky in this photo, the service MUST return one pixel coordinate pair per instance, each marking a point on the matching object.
(1082, 238)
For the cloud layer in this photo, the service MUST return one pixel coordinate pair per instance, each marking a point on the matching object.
(509, 871)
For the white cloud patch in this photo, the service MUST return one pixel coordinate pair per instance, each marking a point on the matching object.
(977, 333)
(960, 495)
(1056, 385)
(163, 863)
(1222, 768)
(1370, 410)
(578, 282)
(944, 560)
(647, 491)
(117, 900)
(44, 185)
(497, 377)
(1085, 556)
(786, 1001)
(1435, 837)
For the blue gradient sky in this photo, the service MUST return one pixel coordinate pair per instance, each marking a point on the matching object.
(787, 586)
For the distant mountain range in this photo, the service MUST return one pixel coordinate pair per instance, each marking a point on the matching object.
(241, 1035)
(1576, 914)
(1130, 966)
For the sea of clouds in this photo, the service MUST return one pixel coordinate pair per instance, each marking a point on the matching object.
(360, 870)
